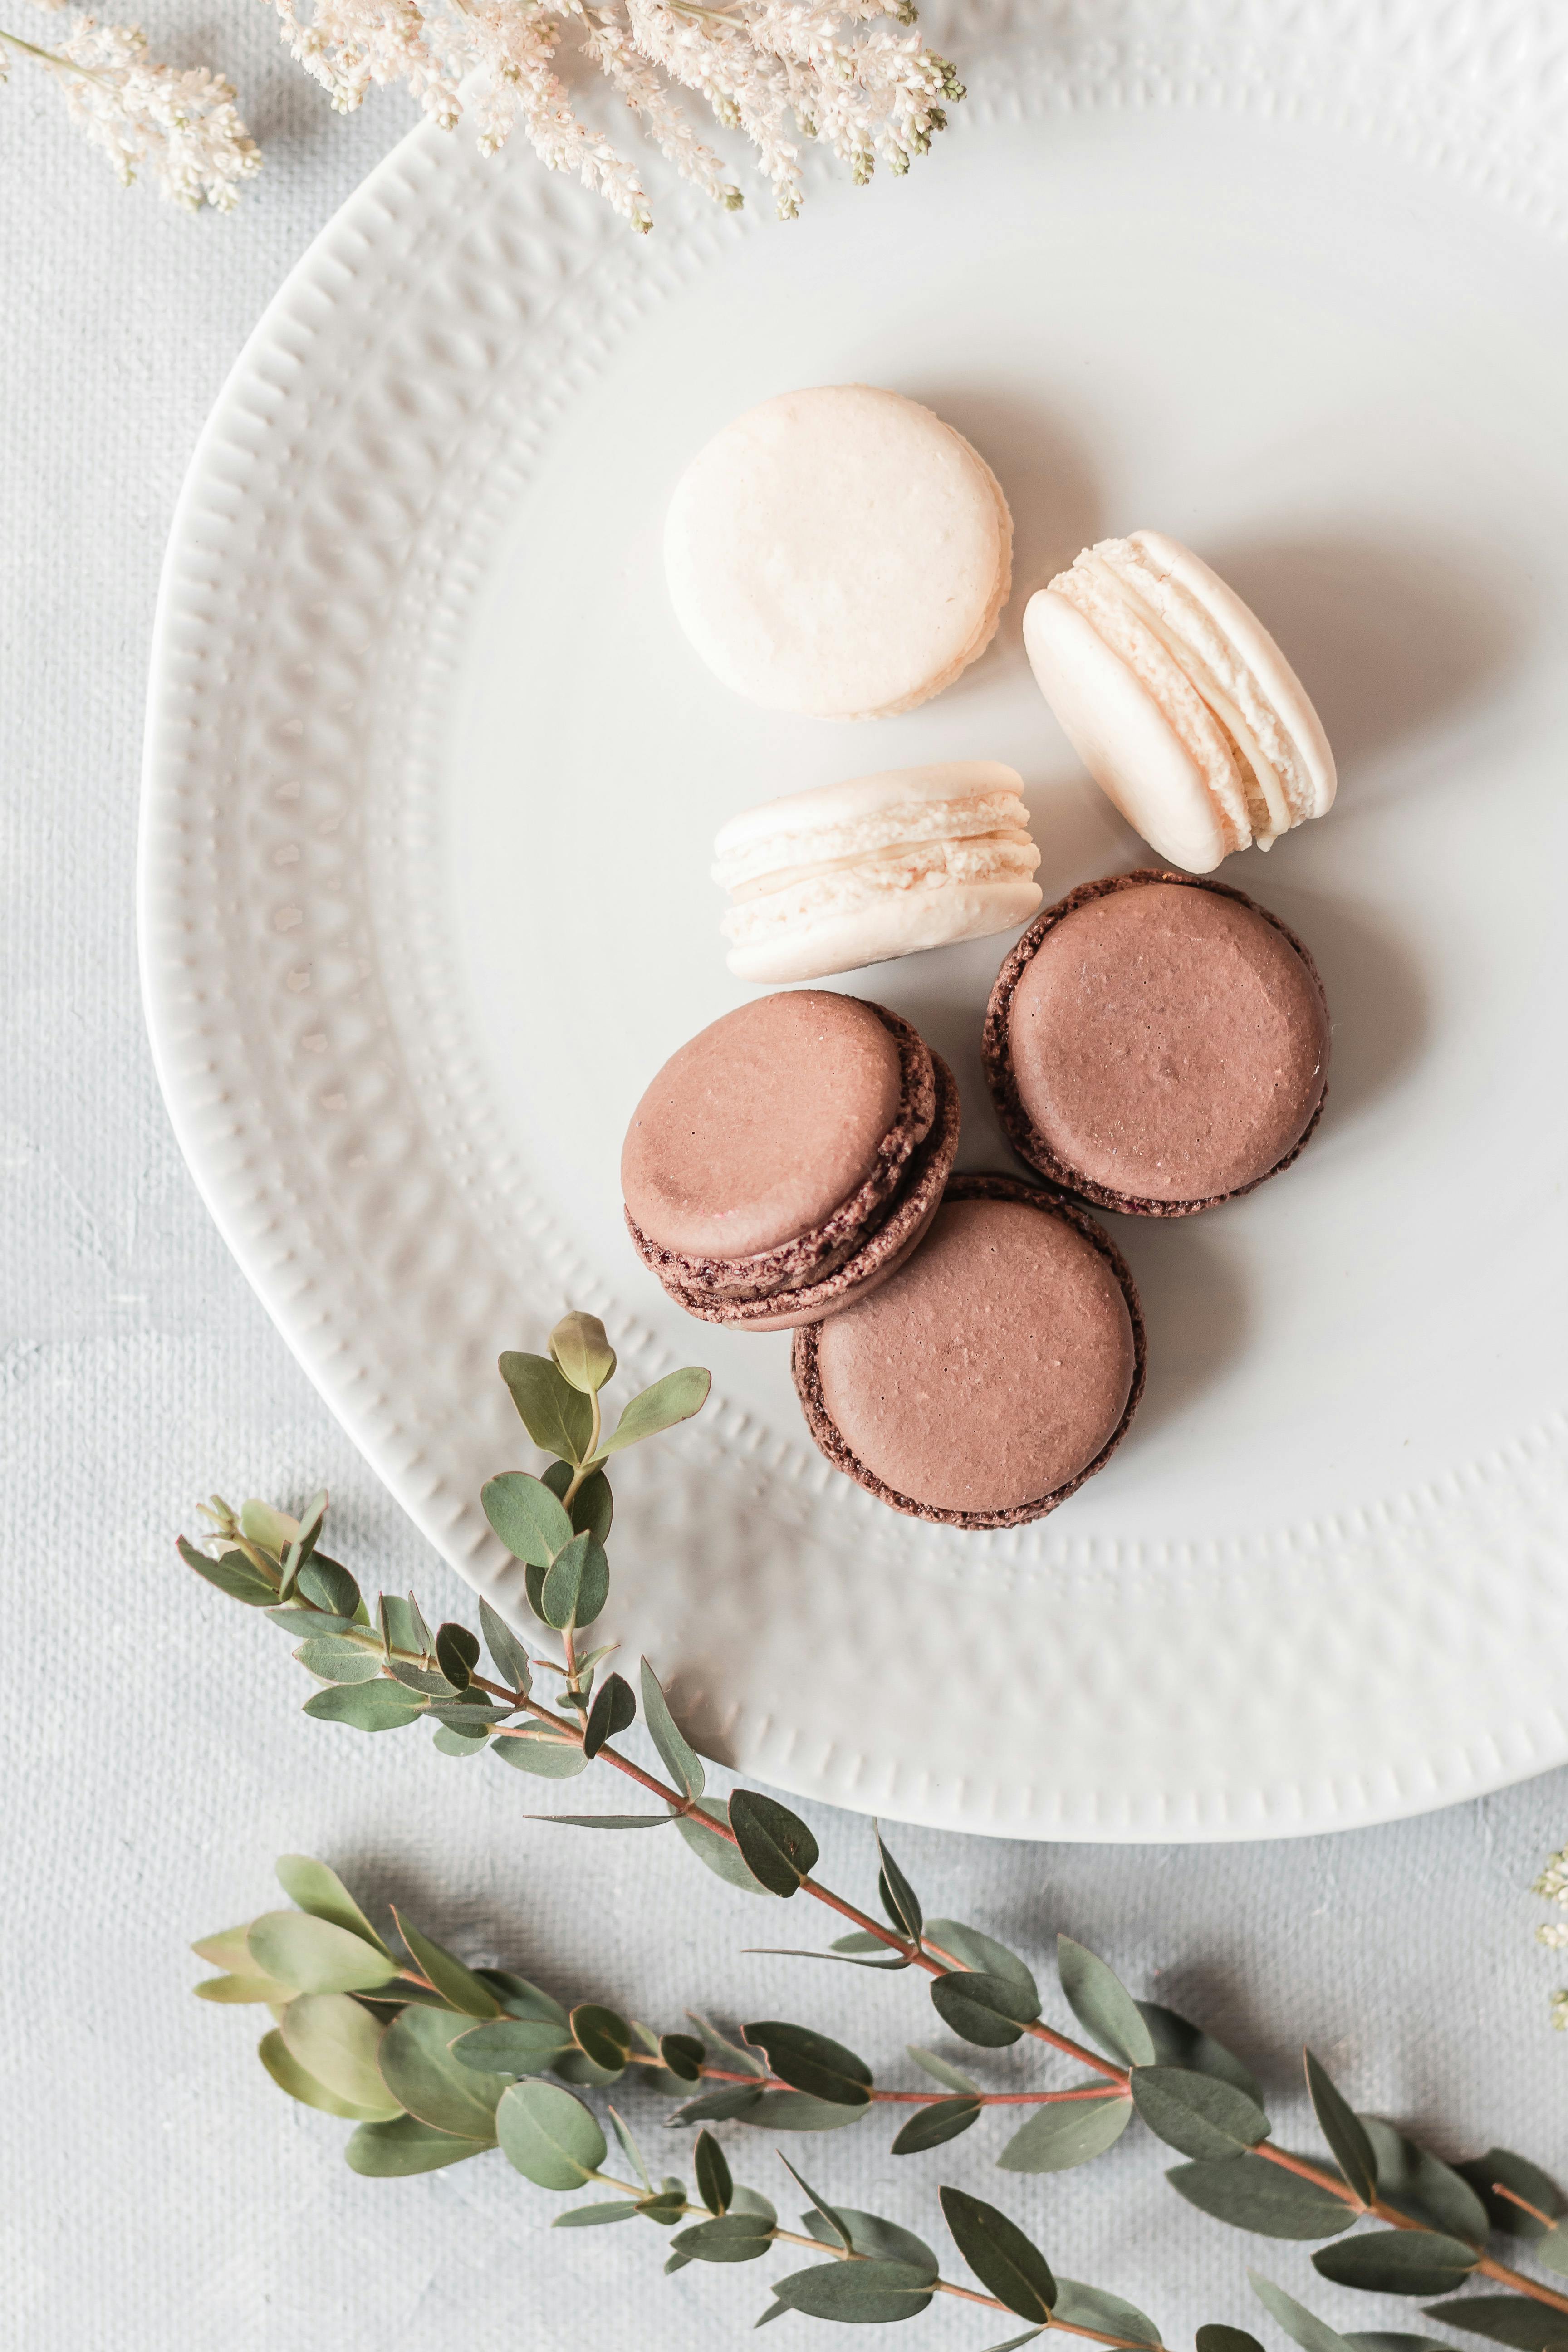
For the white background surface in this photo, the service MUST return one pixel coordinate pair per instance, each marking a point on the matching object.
(157, 2191)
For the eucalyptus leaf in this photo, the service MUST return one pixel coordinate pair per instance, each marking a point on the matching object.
(1251, 2194)
(297, 1617)
(547, 1760)
(336, 2040)
(1422, 2185)
(728, 2238)
(575, 2066)
(602, 2035)
(614, 1710)
(233, 1574)
(402, 1628)
(984, 1954)
(810, 2062)
(453, 1981)
(1102, 2004)
(549, 2135)
(576, 1584)
(377, 1705)
(673, 1399)
(666, 2206)
(1216, 2338)
(715, 2185)
(874, 2236)
(457, 1655)
(556, 1414)
(682, 2054)
(316, 1954)
(428, 1680)
(1178, 2042)
(1487, 2174)
(508, 1654)
(835, 2220)
(1078, 2306)
(988, 2011)
(392, 2151)
(273, 1529)
(944, 2120)
(607, 1821)
(898, 1898)
(519, 1999)
(941, 2070)
(1067, 2132)
(1002, 2258)
(681, 1760)
(720, 2106)
(775, 1845)
(1206, 2119)
(334, 1660)
(799, 2111)
(581, 1345)
(1383, 2339)
(422, 2071)
(242, 1990)
(1397, 2261)
(228, 1949)
(1513, 2319)
(447, 1742)
(527, 1517)
(626, 2141)
(866, 2292)
(321, 1893)
(512, 2045)
(289, 2075)
(328, 1585)
(592, 1508)
(592, 2217)
(715, 1853)
(1303, 2327)
(1342, 2127)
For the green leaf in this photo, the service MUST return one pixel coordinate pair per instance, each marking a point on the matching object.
(930, 2127)
(714, 2183)
(1102, 2004)
(1421, 2185)
(241, 1989)
(1177, 2043)
(835, 2220)
(1513, 2319)
(513, 2046)
(1486, 2174)
(392, 2151)
(521, 2000)
(593, 2216)
(367, 1707)
(863, 2293)
(810, 2062)
(988, 2011)
(1398, 2261)
(592, 1508)
(228, 1949)
(454, 1981)
(1251, 2194)
(526, 1516)
(508, 1654)
(873, 2235)
(321, 1893)
(316, 1954)
(233, 1574)
(775, 1845)
(576, 1584)
(447, 1742)
(729, 2238)
(334, 1660)
(630, 2150)
(681, 1760)
(1002, 2258)
(674, 1399)
(289, 2075)
(1078, 2306)
(556, 1415)
(327, 1584)
(549, 2135)
(1303, 2327)
(1066, 2134)
(1381, 2339)
(682, 2054)
(941, 2070)
(546, 1758)
(747, 2059)
(602, 2035)
(607, 1821)
(297, 1617)
(614, 1710)
(800, 2111)
(402, 1627)
(336, 2040)
(274, 1530)
(457, 1655)
(422, 2070)
(715, 1853)
(1205, 2118)
(581, 1345)
(428, 1680)
(899, 1899)
(1216, 2338)
(984, 1954)
(1348, 2143)
(720, 2106)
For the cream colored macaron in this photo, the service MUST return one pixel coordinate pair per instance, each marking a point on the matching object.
(840, 553)
(853, 874)
(1177, 699)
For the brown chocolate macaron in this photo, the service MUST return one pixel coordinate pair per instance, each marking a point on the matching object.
(788, 1158)
(1157, 1043)
(994, 1374)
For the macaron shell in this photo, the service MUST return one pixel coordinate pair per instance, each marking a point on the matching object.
(864, 812)
(890, 925)
(1002, 1371)
(839, 551)
(1278, 681)
(1121, 735)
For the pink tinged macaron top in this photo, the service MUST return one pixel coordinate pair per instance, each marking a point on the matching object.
(992, 1370)
(1168, 1043)
(762, 1124)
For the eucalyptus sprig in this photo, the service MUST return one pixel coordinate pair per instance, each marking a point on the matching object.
(384, 1673)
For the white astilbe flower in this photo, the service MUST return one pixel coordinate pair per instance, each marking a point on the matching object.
(1553, 1884)
(177, 125)
(849, 74)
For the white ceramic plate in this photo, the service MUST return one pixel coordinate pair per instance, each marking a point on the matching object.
(431, 780)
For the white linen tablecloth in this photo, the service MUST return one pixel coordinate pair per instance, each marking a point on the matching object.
(157, 2191)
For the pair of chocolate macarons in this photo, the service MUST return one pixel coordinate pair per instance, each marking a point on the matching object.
(970, 1348)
